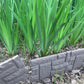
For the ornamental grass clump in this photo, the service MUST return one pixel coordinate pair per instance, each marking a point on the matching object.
(79, 32)
(25, 17)
(8, 31)
(43, 26)
(53, 25)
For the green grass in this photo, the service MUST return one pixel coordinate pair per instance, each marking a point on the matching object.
(42, 26)
(79, 32)
(24, 17)
(53, 25)
(8, 30)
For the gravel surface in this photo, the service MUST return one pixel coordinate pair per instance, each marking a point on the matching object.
(74, 77)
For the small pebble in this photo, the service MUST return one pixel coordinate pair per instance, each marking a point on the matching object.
(74, 81)
(47, 80)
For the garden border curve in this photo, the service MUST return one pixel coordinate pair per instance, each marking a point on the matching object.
(62, 62)
(13, 70)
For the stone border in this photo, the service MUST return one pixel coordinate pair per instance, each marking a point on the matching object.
(48, 66)
(12, 71)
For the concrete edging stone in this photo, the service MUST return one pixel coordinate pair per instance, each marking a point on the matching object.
(13, 70)
(57, 63)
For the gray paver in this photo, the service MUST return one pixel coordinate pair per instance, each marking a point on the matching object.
(57, 62)
(35, 70)
(57, 67)
(45, 70)
(12, 71)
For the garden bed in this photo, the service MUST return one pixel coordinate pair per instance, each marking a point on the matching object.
(41, 40)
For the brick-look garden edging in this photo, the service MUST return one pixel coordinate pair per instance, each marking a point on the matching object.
(12, 71)
(48, 66)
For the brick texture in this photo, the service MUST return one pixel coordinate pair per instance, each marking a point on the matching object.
(12, 71)
(57, 63)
